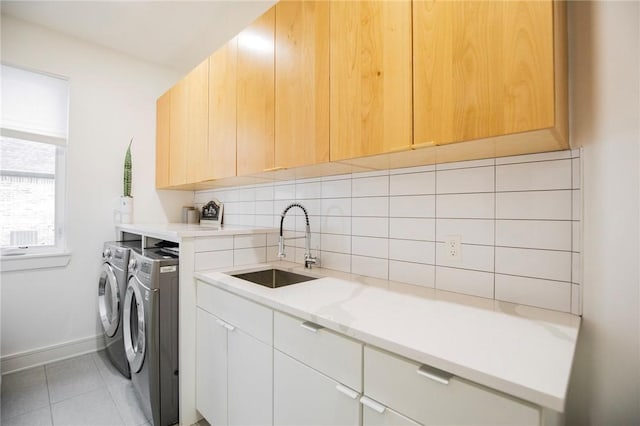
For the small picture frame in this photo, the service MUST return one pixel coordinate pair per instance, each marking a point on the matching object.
(212, 213)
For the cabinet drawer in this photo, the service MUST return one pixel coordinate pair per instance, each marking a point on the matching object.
(405, 386)
(253, 319)
(337, 356)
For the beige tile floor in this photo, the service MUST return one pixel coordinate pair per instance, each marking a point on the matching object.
(84, 391)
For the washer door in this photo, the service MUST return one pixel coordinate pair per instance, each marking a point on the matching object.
(134, 326)
(108, 300)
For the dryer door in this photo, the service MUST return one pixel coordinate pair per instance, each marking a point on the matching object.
(108, 300)
(134, 326)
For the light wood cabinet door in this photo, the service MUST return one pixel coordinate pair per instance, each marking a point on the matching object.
(370, 71)
(250, 380)
(301, 83)
(163, 139)
(211, 368)
(188, 127)
(255, 138)
(303, 396)
(178, 125)
(482, 69)
(198, 122)
(222, 112)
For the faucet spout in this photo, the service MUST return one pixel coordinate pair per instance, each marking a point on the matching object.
(308, 259)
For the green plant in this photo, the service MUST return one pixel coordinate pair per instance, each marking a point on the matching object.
(127, 171)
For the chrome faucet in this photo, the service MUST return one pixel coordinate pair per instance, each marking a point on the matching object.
(308, 259)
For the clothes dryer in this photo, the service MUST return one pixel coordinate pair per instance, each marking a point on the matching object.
(112, 286)
(151, 333)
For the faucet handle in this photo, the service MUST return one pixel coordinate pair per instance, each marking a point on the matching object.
(309, 260)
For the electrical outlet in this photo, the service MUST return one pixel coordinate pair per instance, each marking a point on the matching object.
(453, 250)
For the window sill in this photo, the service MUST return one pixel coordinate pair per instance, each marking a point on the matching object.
(24, 262)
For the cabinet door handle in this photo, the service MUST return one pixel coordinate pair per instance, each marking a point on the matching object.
(434, 374)
(308, 325)
(379, 408)
(347, 391)
(225, 325)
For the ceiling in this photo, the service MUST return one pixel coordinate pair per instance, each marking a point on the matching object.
(174, 34)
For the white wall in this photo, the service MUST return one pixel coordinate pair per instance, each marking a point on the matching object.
(112, 99)
(605, 47)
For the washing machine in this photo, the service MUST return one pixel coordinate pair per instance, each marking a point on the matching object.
(151, 333)
(112, 286)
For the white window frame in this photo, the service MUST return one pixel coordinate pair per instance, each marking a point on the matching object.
(56, 255)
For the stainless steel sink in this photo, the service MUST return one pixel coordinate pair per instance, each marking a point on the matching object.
(273, 278)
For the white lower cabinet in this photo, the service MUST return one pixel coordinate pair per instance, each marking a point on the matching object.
(374, 414)
(211, 368)
(303, 396)
(434, 397)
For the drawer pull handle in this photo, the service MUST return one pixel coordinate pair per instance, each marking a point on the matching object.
(379, 408)
(345, 390)
(225, 325)
(308, 325)
(435, 374)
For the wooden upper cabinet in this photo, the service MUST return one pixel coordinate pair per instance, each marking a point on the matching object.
(198, 123)
(178, 124)
(483, 69)
(255, 96)
(222, 112)
(163, 135)
(188, 124)
(371, 88)
(301, 83)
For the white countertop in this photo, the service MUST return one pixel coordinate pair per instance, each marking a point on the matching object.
(520, 350)
(175, 231)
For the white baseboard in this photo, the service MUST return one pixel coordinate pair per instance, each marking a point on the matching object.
(36, 357)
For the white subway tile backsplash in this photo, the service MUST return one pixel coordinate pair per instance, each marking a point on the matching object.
(370, 266)
(251, 240)
(576, 299)
(456, 181)
(370, 206)
(249, 256)
(518, 219)
(412, 206)
(264, 192)
(264, 207)
(576, 268)
(335, 207)
(308, 190)
(464, 281)
(535, 292)
(543, 156)
(213, 259)
(412, 251)
(576, 176)
(547, 264)
(336, 225)
(466, 164)
(336, 261)
(224, 242)
(412, 273)
(413, 184)
(471, 231)
(370, 226)
(335, 243)
(370, 187)
(465, 206)
(544, 175)
(284, 192)
(552, 205)
(412, 228)
(479, 258)
(541, 234)
(370, 246)
(336, 188)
